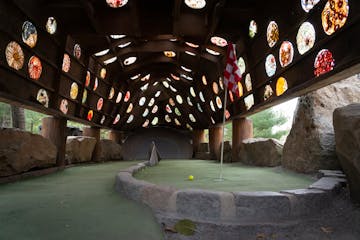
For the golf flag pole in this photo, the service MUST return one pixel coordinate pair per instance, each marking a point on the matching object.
(232, 78)
(222, 142)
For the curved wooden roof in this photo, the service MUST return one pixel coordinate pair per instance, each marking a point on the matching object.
(149, 29)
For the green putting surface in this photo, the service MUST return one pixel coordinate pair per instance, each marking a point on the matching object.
(237, 177)
(77, 203)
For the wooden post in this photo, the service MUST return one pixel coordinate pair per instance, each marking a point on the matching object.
(95, 133)
(54, 129)
(242, 128)
(198, 136)
(117, 136)
(215, 139)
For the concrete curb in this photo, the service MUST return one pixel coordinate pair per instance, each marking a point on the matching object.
(205, 205)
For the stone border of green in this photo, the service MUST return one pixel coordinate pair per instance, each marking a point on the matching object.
(206, 205)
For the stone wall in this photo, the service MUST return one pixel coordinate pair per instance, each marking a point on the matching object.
(347, 135)
(310, 145)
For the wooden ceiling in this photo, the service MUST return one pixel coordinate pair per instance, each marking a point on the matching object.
(149, 29)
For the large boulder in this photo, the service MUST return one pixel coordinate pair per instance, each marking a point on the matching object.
(79, 149)
(110, 150)
(347, 136)
(227, 152)
(261, 152)
(22, 151)
(310, 145)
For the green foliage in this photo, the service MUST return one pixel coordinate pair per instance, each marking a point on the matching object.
(185, 227)
(264, 122)
(33, 121)
(5, 115)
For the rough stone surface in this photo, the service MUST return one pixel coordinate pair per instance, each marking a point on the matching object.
(310, 145)
(328, 183)
(202, 155)
(204, 147)
(347, 134)
(157, 197)
(79, 148)
(308, 201)
(110, 150)
(21, 151)
(261, 152)
(227, 152)
(262, 205)
(199, 204)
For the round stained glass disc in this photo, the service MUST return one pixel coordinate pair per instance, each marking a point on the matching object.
(305, 37)
(270, 65)
(14, 56)
(29, 34)
(34, 68)
(286, 53)
(272, 33)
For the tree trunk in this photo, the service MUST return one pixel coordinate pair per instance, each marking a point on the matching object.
(18, 117)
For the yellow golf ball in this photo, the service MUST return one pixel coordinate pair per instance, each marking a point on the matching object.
(191, 177)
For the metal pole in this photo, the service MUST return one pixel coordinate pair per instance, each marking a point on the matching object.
(222, 142)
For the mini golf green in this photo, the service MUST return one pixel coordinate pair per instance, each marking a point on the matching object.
(77, 203)
(238, 177)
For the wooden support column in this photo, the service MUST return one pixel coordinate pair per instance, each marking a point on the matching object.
(198, 136)
(215, 139)
(95, 133)
(117, 136)
(54, 129)
(242, 128)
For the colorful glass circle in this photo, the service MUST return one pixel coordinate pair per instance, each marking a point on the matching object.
(117, 119)
(127, 96)
(87, 79)
(84, 97)
(103, 73)
(307, 5)
(248, 83)
(179, 99)
(195, 4)
(286, 53)
(215, 88)
(42, 97)
(111, 93)
(146, 123)
(242, 65)
(118, 98)
(270, 65)
(142, 101)
(51, 25)
(130, 108)
(218, 102)
(145, 113)
(64, 106)
(96, 84)
(90, 115)
(29, 34)
(116, 4)
(334, 15)
(218, 41)
(77, 51)
(305, 37)
(14, 56)
(324, 62)
(252, 28)
(268, 92)
(34, 68)
(272, 33)
(130, 119)
(99, 104)
(249, 101)
(66, 63)
(281, 86)
(74, 90)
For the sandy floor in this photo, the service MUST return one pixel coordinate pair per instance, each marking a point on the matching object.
(237, 177)
(78, 203)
